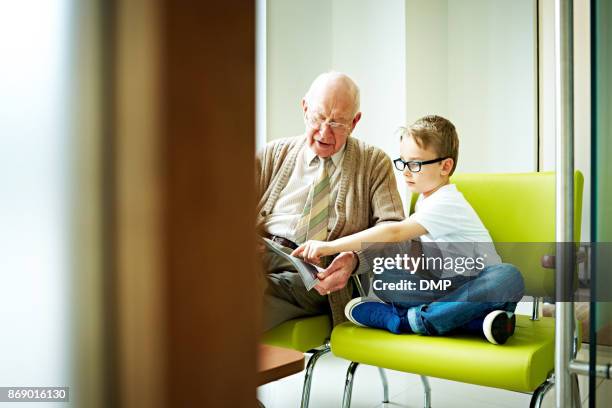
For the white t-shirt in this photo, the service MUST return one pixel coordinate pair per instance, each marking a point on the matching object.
(453, 225)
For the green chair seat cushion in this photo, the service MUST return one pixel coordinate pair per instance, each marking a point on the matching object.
(301, 334)
(522, 364)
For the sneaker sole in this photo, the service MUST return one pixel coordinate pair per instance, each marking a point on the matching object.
(511, 322)
(495, 322)
(348, 309)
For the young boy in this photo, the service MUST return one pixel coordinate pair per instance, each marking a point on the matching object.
(443, 218)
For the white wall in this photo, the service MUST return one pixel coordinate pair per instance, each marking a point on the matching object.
(582, 107)
(473, 61)
(299, 48)
(261, 72)
(427, 58)
(369, 43)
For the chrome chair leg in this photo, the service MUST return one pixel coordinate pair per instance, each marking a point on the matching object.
(540, 392)
(308, 375)
(385, 384)
(348, 385)
(426, 392)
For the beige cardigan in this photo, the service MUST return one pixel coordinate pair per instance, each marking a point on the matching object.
(367, 193)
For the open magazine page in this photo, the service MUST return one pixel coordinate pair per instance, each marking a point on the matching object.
(307, 271)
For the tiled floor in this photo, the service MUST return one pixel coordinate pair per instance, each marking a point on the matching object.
(405, 390)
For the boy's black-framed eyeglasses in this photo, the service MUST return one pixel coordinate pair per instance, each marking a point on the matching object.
(414, 166)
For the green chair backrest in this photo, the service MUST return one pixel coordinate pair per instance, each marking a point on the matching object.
(519, 208)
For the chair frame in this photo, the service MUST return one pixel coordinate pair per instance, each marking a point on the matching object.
(318, 352)
(308, 375)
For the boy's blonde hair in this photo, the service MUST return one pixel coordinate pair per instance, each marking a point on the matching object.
(435, 131)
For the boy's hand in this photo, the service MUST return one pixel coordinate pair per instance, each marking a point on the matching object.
(337, 274)
(312, 251)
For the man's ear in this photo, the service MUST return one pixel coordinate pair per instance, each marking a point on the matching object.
(356, 119)
(304, 105)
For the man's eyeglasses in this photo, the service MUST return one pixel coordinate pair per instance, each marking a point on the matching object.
(317, 122)
(414, 166)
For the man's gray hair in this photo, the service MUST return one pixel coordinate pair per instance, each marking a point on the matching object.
(335, 76)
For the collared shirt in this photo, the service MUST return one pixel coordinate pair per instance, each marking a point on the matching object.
(290, 204)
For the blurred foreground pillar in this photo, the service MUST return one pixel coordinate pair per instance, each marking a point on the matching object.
(182, 161)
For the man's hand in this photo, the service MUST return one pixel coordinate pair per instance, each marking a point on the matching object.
(337, 274)
(312, 251)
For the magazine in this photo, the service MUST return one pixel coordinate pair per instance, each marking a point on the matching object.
(307, 271)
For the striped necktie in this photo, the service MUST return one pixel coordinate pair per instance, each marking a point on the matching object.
(315, 217)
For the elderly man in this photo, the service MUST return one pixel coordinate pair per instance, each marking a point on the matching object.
(321, 185)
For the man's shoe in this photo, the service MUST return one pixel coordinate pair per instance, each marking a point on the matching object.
(373, 313)
(498, 326)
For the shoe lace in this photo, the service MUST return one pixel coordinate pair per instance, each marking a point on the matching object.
(378, 317)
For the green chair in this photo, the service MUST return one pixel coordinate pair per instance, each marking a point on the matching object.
(310, 335)
(515, 208)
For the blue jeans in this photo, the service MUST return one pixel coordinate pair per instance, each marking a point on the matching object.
(497, 287)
